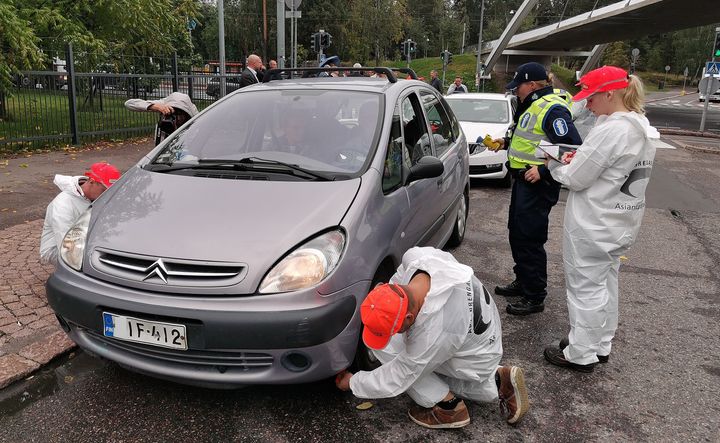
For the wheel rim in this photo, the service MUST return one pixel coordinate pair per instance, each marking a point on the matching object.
(462, 215)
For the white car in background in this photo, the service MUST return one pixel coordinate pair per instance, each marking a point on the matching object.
(479, 115)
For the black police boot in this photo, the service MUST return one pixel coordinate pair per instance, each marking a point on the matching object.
(525, 306)
(512, 290)
(565, 342)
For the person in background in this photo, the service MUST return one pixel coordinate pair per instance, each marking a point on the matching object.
(249, 75)
(437, 333)
(457, 87)
(540, 115)
(607, 177)
(329, 62)
(174, 110)
(435, 81)
(77, 193)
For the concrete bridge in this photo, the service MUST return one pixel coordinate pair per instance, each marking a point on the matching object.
(587, 34)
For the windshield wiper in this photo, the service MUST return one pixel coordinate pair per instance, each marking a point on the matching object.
(202, 164)
(289, 167)
(243, 164)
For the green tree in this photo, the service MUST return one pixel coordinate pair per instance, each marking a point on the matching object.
(18, 45)
(34, 30)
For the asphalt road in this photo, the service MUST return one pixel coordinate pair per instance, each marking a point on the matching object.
(660, 384)
(683, 112)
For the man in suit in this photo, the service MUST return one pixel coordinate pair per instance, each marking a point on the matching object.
(249, 75)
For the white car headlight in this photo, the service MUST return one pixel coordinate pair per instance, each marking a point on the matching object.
(307, 265)
(73, 244)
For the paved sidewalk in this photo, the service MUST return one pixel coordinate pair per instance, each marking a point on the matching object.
(30, 336)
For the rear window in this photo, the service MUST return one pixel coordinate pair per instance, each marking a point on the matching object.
(321, 130)
(481, 110)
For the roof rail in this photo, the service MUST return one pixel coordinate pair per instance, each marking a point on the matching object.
(307, 72)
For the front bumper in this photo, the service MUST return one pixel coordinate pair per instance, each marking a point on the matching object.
(488, 165)
(232, 340)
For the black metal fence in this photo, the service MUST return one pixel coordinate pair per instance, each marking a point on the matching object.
(47, 108)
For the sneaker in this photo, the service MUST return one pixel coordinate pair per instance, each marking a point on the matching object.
(439, 418)
(565, 342)
(525, 306)
(513, 395)
(512, 290)
(556, 357)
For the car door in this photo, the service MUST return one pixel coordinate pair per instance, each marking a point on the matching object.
(451, 149)
(425, 216)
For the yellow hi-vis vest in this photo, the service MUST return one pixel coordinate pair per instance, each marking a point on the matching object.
(529, 131)
(565, 95)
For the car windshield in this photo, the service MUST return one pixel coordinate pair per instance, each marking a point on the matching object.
(481, 110)
(318, 130)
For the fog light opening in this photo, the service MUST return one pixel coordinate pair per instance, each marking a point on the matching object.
(295, 361)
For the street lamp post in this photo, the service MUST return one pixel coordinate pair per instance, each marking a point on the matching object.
(427, 43)
(479, 69)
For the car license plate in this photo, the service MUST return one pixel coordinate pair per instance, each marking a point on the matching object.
(167, 335)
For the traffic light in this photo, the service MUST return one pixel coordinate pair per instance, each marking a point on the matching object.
(325, 40)
(446, 57)
(411, 47)
(449, 57)
(315, 42)
(716, 48)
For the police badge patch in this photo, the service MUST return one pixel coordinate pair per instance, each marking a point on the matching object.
(560, 126)
(524, 121)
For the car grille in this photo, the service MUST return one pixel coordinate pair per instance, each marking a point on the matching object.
(476, 148)
(247, 361)
(166, 272)
(484, 169)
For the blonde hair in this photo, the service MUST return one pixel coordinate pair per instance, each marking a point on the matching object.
(633, 97)
(551, 79)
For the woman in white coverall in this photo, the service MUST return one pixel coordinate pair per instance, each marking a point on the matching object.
(607, 177)
(437, 333)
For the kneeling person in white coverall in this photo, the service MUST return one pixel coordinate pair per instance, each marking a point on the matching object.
(437, 333)
(607, 177)
(77, 194)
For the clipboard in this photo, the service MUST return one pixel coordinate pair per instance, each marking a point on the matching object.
(554, 151)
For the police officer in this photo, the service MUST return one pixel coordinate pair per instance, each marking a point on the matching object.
(541, 114)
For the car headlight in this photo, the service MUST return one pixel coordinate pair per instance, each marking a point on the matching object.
(307, 265)
(72, 248)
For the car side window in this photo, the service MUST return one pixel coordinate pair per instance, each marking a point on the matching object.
(453, 120)
(392, 172)
(439, 122)
(415, 135)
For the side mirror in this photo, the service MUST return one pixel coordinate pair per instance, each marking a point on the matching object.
(426, 167)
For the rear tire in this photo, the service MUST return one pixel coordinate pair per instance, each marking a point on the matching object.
(458, 234)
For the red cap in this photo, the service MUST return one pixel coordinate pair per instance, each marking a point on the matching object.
(104, 173)
(382, 313)
(602, 79)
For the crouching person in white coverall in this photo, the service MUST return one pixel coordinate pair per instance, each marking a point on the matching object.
(607, 177)
(437, 333)
(77, 193)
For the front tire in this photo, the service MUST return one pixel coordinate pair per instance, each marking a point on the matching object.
(458, 234)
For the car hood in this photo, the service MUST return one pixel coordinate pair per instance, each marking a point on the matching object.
(241, 221)
(474, 130)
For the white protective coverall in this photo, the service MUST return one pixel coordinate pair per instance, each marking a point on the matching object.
(176, 100)
(440, 352)
(61, 214)
(607, 180)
